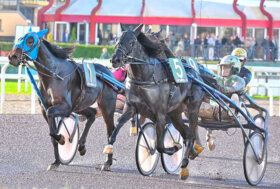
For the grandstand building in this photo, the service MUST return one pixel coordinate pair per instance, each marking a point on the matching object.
(96, 21)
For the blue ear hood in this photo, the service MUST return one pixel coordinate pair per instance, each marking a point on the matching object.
(42, 33)
(32, 51)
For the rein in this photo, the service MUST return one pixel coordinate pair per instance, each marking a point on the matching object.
(23, 59)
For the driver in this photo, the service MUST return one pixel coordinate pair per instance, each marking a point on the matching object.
(242, 56)
(229, 83)
(228, 79)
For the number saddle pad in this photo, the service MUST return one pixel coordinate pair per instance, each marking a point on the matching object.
(178, 68)
(90, 74)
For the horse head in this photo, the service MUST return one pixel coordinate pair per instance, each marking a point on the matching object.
(27, 45)
(125, 45)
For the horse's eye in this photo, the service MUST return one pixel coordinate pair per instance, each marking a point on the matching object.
(29, 41)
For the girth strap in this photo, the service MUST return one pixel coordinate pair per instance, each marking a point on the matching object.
(138, 82)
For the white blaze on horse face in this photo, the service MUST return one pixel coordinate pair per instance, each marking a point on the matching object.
(226, 71)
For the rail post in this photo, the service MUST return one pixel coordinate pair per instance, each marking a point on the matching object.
(270, 101)
(3, 72)
(19, 79)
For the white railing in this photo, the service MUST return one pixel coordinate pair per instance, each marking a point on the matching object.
(19, 77)
(4, 61)
(269, 88)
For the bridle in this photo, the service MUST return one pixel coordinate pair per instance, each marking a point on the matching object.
(125, 55)
(126, 59)
(24, 57)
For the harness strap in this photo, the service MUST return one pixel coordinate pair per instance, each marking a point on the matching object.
(137, 82)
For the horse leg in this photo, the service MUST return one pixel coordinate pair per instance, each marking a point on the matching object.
(198, 146)
(210, 140)
(62, 110)
(129, 111)
(56, 164)
(178, 123)
(89, 113)
(133, 126)
(160, 127)
(107, 106)
(193, 105)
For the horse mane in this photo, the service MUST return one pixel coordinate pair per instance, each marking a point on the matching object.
(58, 51)
(151, 48)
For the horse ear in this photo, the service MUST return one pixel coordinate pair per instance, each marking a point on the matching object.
(122, 27)
(42, 33)
(149, 31)
(138, 29)
(158, 33)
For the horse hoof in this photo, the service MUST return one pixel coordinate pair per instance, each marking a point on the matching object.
(108, 149)
(178, 146)
(61, 140)
(184, 174)
(105, 167)
(211, 145)
(193, 155)
(82, 151)
(53, 167)
(198, 148)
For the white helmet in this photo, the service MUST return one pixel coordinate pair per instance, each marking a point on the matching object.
(240, 53)
(232, 61)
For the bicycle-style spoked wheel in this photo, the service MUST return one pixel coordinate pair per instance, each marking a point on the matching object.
(146, 154)
(172, 163)
(69, 128)
(254, 171)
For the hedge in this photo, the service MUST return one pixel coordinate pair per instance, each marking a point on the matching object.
(6, 46)
(88, 51)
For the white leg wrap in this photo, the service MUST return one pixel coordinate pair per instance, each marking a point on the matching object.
(108, 149)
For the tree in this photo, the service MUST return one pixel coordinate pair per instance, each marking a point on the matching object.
(73, 37)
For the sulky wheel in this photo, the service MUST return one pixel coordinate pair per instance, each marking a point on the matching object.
(146, 154)
(172, 163)
(253, 170)
(259, 121)
(69, 128)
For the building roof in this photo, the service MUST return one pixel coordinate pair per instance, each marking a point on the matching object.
(53, 9)
(124, 11)
(206, 9)
(166, 12)
(78, 7)
(167, 8)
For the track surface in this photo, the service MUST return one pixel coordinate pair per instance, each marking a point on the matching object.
(26, 152)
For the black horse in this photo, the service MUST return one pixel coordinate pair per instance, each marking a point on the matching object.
(151, 93)
(67, 95)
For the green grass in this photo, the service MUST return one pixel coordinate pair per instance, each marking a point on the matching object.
(264, 97)
(11, 87)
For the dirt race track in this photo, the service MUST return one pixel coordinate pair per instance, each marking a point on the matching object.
(26, 152)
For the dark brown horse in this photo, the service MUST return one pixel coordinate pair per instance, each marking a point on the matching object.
(67, 95)
(151, 93)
